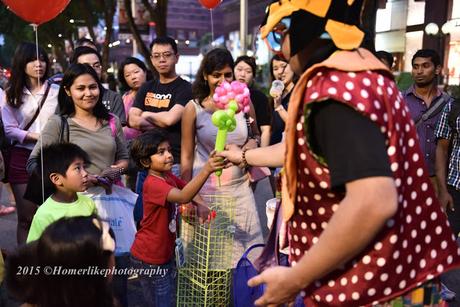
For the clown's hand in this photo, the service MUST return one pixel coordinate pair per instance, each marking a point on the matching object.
(231, 154)
(280, 286)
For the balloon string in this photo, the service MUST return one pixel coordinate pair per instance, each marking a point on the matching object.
(35, 27)
(212, 27)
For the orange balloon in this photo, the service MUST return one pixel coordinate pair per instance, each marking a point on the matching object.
(35, 11)
(210, 4)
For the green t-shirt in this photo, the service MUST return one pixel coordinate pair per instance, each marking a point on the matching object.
(52, 211)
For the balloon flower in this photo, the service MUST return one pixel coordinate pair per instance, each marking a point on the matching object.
(230, 98)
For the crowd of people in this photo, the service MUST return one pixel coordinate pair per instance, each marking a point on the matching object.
(366, 176)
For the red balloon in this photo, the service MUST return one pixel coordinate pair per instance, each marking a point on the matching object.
(210, 4)
(36, 11)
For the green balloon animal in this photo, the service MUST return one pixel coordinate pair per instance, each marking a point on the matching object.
(225, 122)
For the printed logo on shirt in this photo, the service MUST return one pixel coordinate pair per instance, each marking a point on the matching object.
(157, 100)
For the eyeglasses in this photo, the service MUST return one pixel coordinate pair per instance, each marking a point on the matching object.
(96, 65)
(165, 55)
(275, 38)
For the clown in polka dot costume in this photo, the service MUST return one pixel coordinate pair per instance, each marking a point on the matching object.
(415, 245)
(372, 237)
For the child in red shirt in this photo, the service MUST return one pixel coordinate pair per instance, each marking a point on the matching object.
(153, 247)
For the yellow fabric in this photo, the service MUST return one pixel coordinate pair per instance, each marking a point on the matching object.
(284, 8)
(344, 36)
(356, 60)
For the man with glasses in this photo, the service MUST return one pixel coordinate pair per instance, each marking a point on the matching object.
(160, 103)
(111, 100)
(364, 224)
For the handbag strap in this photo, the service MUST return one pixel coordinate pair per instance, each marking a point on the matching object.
(37, 112)
(42, 102)
(435, 109)
(64, 130)
(246, 253)
(271, 248)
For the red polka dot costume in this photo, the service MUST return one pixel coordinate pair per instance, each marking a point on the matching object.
(416, 244)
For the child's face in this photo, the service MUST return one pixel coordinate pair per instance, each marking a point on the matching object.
(76, 177)
(163, 160)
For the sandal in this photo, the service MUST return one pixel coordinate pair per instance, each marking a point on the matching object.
(4, 210)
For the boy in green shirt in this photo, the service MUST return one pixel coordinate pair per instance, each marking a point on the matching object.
(64, 172)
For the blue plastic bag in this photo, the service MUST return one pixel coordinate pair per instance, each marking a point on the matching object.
(243, 295)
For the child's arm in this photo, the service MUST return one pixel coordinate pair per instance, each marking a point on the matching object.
(193, 187)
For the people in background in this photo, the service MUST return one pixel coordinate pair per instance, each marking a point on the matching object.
(30, 101)
(160, 103)
(280, 70)
(386, 58)
(198, 141)
(245, 71)
(110, 99)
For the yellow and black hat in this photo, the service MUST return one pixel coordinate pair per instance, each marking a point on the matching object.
(306, 20)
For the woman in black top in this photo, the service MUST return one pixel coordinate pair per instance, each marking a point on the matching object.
(280, 70)
(245, 71)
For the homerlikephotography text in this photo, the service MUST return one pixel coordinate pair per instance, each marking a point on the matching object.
(90, 271)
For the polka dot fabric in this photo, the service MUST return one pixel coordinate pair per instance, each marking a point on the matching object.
(415, 245)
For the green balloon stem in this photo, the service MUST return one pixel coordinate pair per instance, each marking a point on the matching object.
(220, 146)
(221, 138)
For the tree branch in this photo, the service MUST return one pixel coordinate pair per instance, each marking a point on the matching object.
(140, 44)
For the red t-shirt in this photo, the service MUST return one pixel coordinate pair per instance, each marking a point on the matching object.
(154, 242)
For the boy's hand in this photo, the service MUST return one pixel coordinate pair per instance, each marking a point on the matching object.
(214, 163)
(204, 213)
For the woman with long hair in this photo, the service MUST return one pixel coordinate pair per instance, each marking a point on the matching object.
(46, 265)
(280, 70)
(30, 101)
(199, 138)
(245, 72)
(97, 132)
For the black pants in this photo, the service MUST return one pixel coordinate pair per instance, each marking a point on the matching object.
(454, 216)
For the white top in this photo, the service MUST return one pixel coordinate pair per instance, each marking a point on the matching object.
(15, 119)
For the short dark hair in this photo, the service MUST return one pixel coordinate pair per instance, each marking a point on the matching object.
(164, 40)
(428, 53)
(127, 61)
(251, 61)
(387, 56)
(84, 42)
(276, 57)
(146, 145)
(72, 243)
(57, 158)
(82, 50)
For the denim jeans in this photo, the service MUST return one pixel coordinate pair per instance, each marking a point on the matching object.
(141, 175)
(158, 283)
(120, 282)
